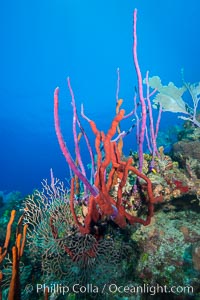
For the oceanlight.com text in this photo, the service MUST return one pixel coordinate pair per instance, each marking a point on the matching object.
(113, 289)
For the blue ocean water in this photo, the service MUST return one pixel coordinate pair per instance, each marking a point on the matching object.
(43, 42)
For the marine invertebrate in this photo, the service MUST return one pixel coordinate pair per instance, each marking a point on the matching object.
(55, 242)
(17, 252)
(100, 203)
(171, 98)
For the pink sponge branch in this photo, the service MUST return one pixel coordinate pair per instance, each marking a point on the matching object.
(65, 151)
(140, 90)
(76, 142)
(75, 118)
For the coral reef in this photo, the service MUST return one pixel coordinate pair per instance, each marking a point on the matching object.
(131, 231)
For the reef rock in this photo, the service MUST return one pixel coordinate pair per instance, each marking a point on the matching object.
(185, 149)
